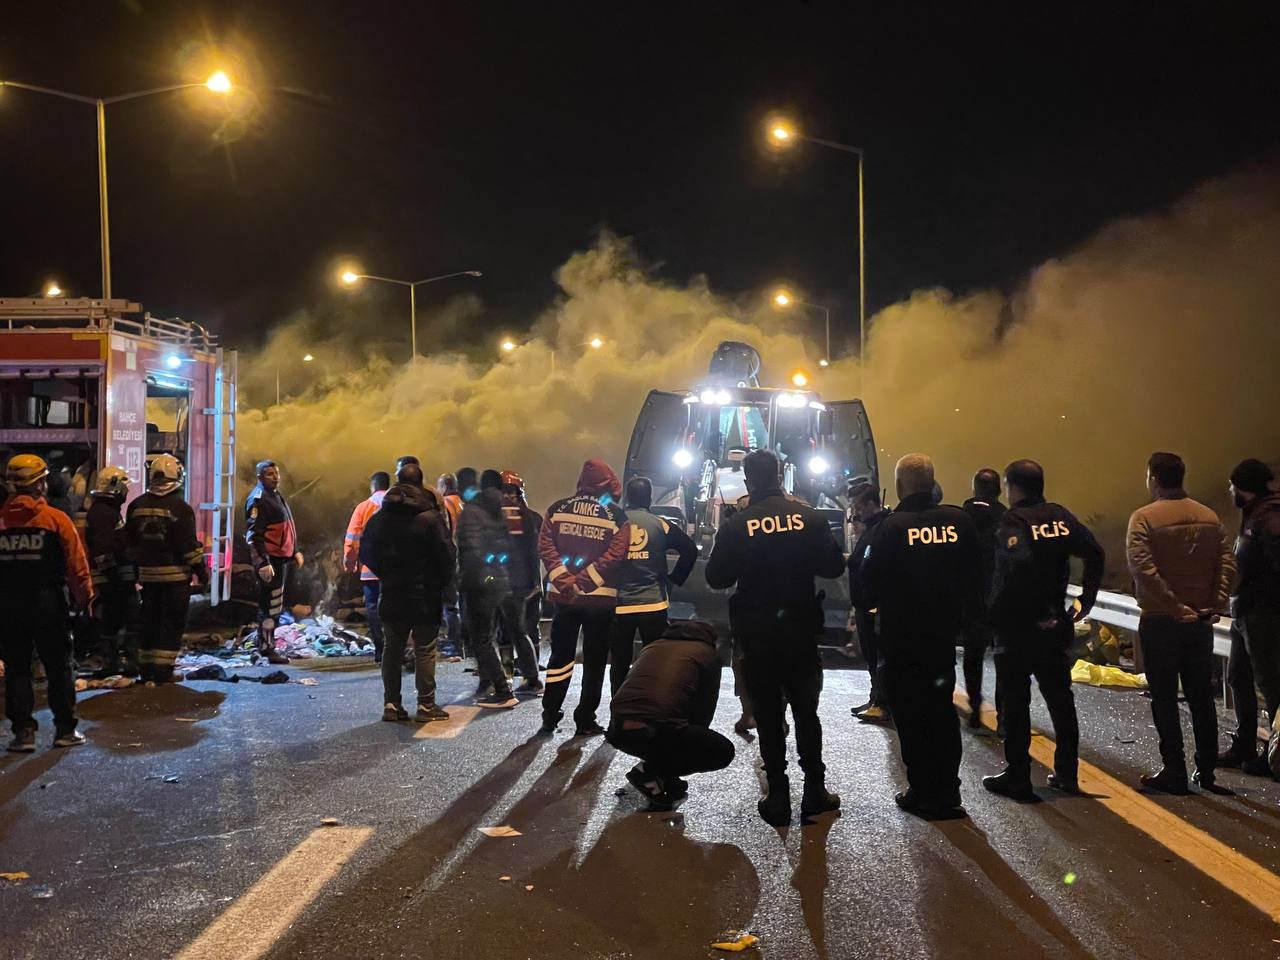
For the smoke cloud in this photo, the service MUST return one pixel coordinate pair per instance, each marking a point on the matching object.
(1158, 333)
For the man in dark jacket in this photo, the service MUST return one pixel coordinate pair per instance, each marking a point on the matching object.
(273, 545)
(407, 547)
(115, 575)
(644, 591)
(1028, 610)
(922, 572)
(864, 504)
(985, 510)
(521, 607)
(663, 711)
(484, 558)
(772, 549)
(1255, 606)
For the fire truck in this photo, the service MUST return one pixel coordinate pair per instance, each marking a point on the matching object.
(91, 383)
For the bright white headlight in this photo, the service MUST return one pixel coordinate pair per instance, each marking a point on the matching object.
(707, 396)
(723, 397)
(682, 458)
(818, 465)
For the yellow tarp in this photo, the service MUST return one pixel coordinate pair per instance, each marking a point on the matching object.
(1099, 676)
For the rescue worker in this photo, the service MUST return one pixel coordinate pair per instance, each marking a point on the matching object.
(662, 713)
(921, 571)
(161, 531)
(273, 546)
(524, 574)
(447, 491)
(1182, 570)
(584, 540)
(484, 557)
(644, 582)
(1034, 631)
(407, 547)
(867, 510)
(115, 574)
(772, 549)
(44, 576)
(985, 510)
(1255, 607)
(379, 483)
(450, 501)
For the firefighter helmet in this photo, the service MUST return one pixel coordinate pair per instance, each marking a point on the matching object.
(25, 470)
(111, 482)
(512, 479)
(166, 474)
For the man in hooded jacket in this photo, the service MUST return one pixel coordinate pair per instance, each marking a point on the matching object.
(584, 540)
(407, 547)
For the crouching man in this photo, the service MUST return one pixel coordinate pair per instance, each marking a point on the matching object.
(663, 710)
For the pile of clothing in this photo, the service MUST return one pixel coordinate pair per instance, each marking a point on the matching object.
(313, 637)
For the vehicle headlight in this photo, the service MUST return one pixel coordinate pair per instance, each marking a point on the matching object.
(818, 466)
(707, 396)
(723, 396)
(682, 458)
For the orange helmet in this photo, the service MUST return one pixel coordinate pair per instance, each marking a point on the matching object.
(512, 479)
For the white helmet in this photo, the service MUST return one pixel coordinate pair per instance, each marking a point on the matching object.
(166, 474)
(111, 482)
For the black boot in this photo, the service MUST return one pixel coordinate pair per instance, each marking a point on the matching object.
(1013, 785)
(1238, 754)
(817, 799)
(775, 808)
(1168, 780)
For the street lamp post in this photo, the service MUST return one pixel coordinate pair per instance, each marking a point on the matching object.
(784, 299)
(783, 134)
(218, 83)
(350, 278)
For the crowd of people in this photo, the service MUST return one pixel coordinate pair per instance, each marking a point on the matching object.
(461, 570)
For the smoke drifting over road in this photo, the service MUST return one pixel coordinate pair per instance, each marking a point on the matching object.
(1160, 332)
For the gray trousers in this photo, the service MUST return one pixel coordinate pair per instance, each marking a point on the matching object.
(396, 634)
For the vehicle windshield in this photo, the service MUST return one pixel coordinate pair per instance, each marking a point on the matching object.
(732, 427)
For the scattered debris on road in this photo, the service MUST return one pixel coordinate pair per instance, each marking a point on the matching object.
(503, 831)
(330, 822)
(742, 942)
(17, 876)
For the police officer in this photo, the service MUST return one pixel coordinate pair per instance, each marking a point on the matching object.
(866, 509)
(115, 575)
(41, 561)
(644, 591)
(922, 573)
(161, 531)
(772, 549)
(985, 510)
(1033, 628)
(273, 546)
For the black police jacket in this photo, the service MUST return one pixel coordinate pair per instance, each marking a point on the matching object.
(1034, 543)
(922, 572)
(772, 550)
(855, 559)
(986, 516)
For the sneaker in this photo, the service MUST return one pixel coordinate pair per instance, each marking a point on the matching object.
(393, 712)
(1166, 781)
(549, 724)
(24, 741)
(874, 714)
(498, 701)
(1064, 785)
(531, 687)
(861, 707)
(775, 807)
(591, 729)
(485, 689)
(72, 738)
(1008, 784)
(427, 712)
(909, 801)
(649, 786)
(744, 726)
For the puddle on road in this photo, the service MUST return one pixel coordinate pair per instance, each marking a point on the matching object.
(146, 720)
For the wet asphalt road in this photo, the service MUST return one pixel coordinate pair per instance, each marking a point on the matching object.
(139, 867)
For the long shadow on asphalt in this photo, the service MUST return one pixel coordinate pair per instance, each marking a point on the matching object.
(810, 879)
(140, 720)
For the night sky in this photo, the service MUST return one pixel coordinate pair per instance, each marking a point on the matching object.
(431, 137)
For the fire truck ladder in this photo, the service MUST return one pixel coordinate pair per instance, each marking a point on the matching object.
(223, 412)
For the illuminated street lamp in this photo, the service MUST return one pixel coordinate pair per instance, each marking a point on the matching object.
(218, 82)
(507, 346)
(595, 343)
(784, 299)
(350, 278)
(782, 134)
(306, 358)
(52, 289)
(799, 379)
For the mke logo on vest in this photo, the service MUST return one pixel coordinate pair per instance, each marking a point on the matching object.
(932, 535)
(1047, 531)
(792, 521)
(22, 541)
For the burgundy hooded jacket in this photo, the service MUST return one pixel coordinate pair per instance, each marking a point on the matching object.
(584, 539)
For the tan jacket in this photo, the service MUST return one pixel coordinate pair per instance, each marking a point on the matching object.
(1180, 557)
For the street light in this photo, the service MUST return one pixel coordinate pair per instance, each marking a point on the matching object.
(799, 379)
(306, 358)
(595, 343)
(783, 134)
(53, 290)
(350, 278)
(507, 345)
(784, 299)
(218, 82)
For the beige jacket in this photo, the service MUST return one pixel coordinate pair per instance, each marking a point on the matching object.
(1180, 558)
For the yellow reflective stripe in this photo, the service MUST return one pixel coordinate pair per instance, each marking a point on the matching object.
(558, 571)
(600, 592)
(560, 674)
(194, 555)
(644, 608)
(589, 521)
(594, 575)
(151, 512)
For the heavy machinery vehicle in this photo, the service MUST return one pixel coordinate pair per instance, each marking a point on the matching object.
(86, 383)
(691, 444)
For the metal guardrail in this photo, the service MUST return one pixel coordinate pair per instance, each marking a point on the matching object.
(1121, 610)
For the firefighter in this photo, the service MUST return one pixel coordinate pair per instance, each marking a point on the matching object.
(160, 528)
(273, 546)
(522, 604)
(115, 574)
(922, 572)
(865, 505)
(1034, 631)
(772, 549)
(985, 510)
(43, 563)
(584, 539)
(644, 591)
(369, 584)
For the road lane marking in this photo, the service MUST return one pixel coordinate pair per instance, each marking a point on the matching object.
(1247, 879)
(248, 928)
(459, 717)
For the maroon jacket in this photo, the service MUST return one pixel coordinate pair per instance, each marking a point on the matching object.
(584, 539)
